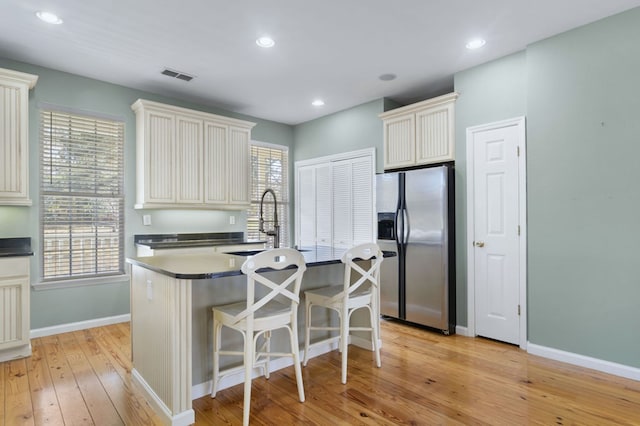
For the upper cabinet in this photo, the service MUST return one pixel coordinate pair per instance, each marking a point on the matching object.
(421, 133)
(14, 137)
(190, 159)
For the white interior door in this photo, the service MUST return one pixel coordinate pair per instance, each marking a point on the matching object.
(496, 233)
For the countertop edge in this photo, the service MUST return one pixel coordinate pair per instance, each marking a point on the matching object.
(16, 254)
(227, 273)
(158, 245)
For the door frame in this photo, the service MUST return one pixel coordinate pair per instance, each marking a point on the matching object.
(519, 123)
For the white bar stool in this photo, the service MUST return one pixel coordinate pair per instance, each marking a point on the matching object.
(259, 317)
(347, 298)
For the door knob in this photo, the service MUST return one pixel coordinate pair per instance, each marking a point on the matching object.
(479, 243)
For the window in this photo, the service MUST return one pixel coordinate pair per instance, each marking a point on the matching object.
(81, 196)
(269, 169)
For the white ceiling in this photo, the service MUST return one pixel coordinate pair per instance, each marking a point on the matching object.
(329, 49)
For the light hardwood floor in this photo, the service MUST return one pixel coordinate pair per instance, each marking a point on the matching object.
(84, 377)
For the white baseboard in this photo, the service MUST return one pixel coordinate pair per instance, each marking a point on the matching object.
(463, 331)
(585, 361)
(15, 353)
(202, 389)
(185, 418)
(80, 325)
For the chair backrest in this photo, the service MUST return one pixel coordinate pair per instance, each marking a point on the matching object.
(274, 259)
(366, 251)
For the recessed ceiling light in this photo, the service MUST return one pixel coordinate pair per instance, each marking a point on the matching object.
(476, 43)
(387, 77)
(49, 18)
(265, 42)
(317, 103)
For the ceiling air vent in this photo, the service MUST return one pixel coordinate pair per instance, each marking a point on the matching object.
(177, 74)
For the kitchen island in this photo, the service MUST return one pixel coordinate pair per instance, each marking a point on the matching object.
(171, 300)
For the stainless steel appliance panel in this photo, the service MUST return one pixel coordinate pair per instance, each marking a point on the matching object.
(389, 282)
(387, 192)
(415, 219)
(425, 252)
(386, 205)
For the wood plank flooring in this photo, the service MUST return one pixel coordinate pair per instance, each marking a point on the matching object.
(83, 378)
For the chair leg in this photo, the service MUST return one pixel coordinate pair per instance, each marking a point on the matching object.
(248, 368)
(217, 328)
(295, 352)
(344, 335)
(374, 336)
(307, 332)
(267, 335)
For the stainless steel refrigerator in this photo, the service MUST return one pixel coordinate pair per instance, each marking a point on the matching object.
(416, 219)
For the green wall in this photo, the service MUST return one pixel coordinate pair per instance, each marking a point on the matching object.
(487, 93)
(583, 108)
(60, 306)
(580, 94)
(349, 130)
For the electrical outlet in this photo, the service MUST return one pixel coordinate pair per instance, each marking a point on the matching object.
(232, 220)
(146, 220)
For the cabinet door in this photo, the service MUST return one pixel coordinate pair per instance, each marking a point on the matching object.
(362, 210)
(399, 141)
(159, 179)
(306, 204)
(341, 185)
(14, 160)
(14, 298)
(215, 163)
(238, 160)
(324, 205)
(189, 180)
(315, 205)
(435, 134)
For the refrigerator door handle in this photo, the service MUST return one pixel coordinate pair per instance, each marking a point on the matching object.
(399, 228)
(407, 226)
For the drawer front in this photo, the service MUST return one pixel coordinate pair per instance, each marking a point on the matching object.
(14, 267)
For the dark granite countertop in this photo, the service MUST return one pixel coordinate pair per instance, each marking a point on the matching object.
(208, 239)
(217, 265)
(10, 247)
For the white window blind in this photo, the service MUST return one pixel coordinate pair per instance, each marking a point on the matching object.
(269, 169)
(81, 196)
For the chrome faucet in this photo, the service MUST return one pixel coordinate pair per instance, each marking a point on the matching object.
(275, 232)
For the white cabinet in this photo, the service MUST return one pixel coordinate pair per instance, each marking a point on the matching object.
(341, 190)
(227, 172)
(14, 315)
(324, 205)
(421, 133)
(155, 153)
(190, 159)
(306, 206)
(315, 205)
(238, 160)
(14, 138)
(334, 200)
(189, 148)
(216, 172)
(352, 202)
